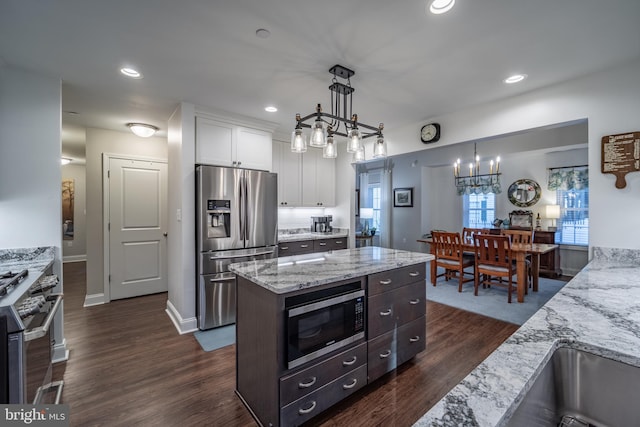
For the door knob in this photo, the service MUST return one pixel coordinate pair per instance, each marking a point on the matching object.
(164, 234)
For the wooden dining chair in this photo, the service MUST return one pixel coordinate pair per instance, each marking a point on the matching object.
(494, 262)
(450, 256)
(522, 236)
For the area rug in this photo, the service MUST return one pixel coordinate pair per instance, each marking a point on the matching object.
(214, 339)
(492, 302)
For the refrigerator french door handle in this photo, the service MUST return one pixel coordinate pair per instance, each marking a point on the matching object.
(245, 200)
(242, 208)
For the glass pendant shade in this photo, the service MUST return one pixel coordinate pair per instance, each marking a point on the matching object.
(298, 141)
(380, 148)
(330, 150)
(358, 156)
(354, 142)
(318, 138)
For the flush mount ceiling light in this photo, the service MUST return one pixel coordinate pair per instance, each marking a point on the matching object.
(142, 129)
(340, 122)
(270, 109)
(131, 72)
(263, 33)
(439, 7)
(65, 161)
(516, 78)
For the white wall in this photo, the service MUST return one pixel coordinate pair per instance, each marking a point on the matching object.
(76, 249)
(30, 178)
(609, 100)
(101, 141)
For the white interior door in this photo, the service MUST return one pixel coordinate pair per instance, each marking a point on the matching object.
(137, 227)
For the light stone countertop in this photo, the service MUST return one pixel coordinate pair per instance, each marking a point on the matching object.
(36, 260)
(298, 234)
(597, 311)
(287, 274)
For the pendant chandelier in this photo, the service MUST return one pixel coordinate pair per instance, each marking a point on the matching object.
(340, 122)
(475, 182)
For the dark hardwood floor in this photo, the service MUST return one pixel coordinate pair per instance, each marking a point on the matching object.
(128, 366)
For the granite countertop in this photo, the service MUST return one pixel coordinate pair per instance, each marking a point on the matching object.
(298, 234)
(287, 274)
(597, 311)
(36, 260)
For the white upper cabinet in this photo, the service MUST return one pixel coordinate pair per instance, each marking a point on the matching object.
(225, 144)
(288, 167)
(318, 179)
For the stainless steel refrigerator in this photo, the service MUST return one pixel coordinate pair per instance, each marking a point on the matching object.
(237, 220)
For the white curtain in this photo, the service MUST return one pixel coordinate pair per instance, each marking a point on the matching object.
(385, 208)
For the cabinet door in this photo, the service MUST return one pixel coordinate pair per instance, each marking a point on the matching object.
(253, 149)
(215, 142)
(289, 184)
(318, 179)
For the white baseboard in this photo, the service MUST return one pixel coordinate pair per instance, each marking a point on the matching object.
(93, 299)
(74, 258)
(60, 352)
(183, 326)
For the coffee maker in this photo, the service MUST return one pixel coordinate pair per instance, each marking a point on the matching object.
(321, 224)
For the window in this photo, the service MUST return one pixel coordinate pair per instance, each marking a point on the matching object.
(573, 225)
(374, 195)
(479, 210)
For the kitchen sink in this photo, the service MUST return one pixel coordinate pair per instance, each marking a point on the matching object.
(580, 389)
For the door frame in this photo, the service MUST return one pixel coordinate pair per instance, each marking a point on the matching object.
(106, 159)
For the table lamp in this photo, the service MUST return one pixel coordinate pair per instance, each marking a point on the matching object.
(366, 214)
(553, 213)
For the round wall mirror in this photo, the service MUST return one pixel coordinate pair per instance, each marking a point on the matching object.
(524, 192)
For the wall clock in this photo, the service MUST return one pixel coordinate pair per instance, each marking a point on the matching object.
(430, 133)
(524, 192)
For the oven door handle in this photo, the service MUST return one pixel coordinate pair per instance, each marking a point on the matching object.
(41, 331)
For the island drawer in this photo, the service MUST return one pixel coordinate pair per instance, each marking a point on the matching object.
(324, 245)
(387, 280)
(294, 386)
(396, 307)
(295, 248)
(312, 404)
(390, 350)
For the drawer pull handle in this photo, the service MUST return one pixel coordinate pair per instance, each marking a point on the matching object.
(349, 362)
(414, 274)
(385, 282)
(385, 313)
(338, 242)
(352, 385)
(304, 246)
(385, 354)
(308, 384)
(414, 301)
(284, 248)
(306, 411)
(414, 339)
(323, 244)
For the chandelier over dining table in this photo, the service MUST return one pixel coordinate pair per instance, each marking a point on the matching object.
(340, 122)
(475, 182)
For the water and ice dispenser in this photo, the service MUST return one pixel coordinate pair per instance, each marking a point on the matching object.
(218, 218)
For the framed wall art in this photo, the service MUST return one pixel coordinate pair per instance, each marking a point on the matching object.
(403, 197)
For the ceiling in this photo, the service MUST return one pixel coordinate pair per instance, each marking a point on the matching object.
(410, 65)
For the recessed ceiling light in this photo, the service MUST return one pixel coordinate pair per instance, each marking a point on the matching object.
(131, 72)
(142, 129)
(441, 6)
(270, 109)
(515, 78)
(263, 33)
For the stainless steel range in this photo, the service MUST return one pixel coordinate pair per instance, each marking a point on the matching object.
(27, 310)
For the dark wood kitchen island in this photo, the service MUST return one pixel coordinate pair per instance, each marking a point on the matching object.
(289, 310)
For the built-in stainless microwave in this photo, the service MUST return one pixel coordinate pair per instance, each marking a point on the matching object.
(320, 322)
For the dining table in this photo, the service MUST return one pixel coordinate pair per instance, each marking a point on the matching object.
(520, 250)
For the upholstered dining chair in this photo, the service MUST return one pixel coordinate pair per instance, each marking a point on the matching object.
(494, 262)
(450, 256)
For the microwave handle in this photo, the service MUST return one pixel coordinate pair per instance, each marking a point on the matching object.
(41, 331)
